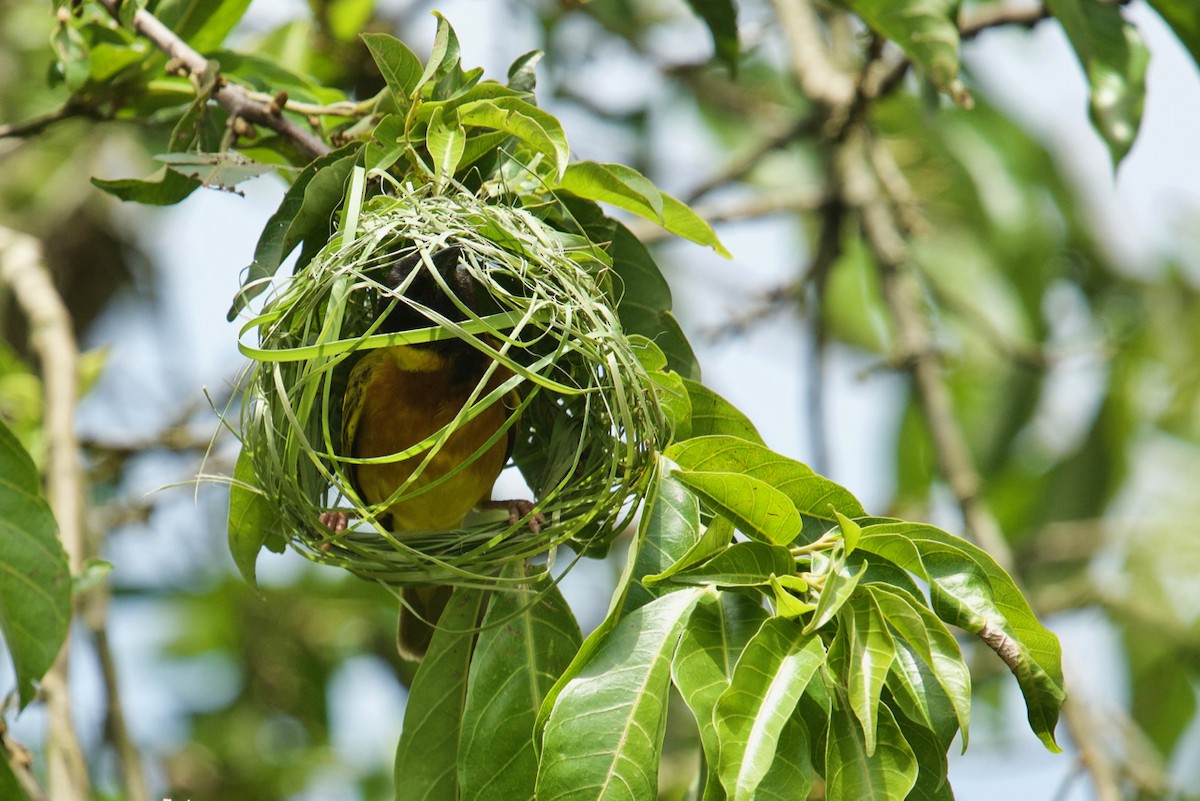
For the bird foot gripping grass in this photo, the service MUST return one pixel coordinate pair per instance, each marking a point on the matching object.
(411, 277)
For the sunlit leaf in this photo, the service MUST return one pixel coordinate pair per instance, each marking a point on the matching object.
(712, 414)
(852, 773)
(772, 673)
(530, 124)
(754, 506)
(670, 528)
(603, 738)
(743, 564)
(716, 633)
(971, 591)
(35, 592)
(527, 639)
(446, 141)
(870, 654)
(811, 493)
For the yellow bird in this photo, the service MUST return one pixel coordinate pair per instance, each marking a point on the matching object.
(398, 396)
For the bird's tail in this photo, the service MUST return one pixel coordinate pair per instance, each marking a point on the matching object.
(419, 615)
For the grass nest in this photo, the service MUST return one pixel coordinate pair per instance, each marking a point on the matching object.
(582, 409)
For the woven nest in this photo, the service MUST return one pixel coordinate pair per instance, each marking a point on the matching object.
(584, 414)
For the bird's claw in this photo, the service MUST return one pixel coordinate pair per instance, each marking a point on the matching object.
(337, 522)
(519, 508)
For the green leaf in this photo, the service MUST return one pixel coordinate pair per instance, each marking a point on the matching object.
(530, 124)
(929, 638)
(754, 506)
(1183, 16)
(522, 74)
(932, 765)
(712, 414)
(444, 58)
(713, 541)
(604, 735)
(771, 675)
(398, 65)
(304, 213)
(1114, 57)
(743, 564)
(35, 591)
(786, 603)
(851, 773)
(427, 755)
(446, 142)
(716, 633)
(527, 639)
(926, 30)
(670, 529)
(839, 585)
(850, 532)
(971, 591)
(626, 188)
(218, 170)
(791, 775)
(721, 18)
(870, 654)
(812, 494)
(617, 184)
(166, 187)
(254, 520)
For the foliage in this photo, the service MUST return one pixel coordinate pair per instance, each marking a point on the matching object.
(813, 644)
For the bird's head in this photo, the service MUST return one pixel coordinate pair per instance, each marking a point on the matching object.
(425, 289)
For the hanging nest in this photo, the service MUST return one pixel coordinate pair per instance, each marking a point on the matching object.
(581, 407)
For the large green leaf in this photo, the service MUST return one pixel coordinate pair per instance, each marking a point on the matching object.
(511, 115)
(398, 65)
(743, 564)
(715, 635)
(932, 765)
(254, 520)
(870, 654)
(1184, 18)
(1114, 57)
(604, 734)
(840, 582)
(853, 773)
(812, 494)
(712, 414)
(928, 638)
(303, 214)
(925, 29)
(670, 529)
(35, 592)
(771, 675)
(528, 638)
(791, 775)
(971, 591)
(754, 506)
(427, 755)
(626, 188)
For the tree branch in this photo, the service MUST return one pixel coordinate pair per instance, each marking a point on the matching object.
(236, 100)
(23, 269)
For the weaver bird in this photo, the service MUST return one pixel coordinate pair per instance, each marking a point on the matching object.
(398, 396)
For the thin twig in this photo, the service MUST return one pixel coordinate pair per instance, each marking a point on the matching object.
(35, 125)
(740, 166)
(20, 763)
(234, 98)
(23, 269)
